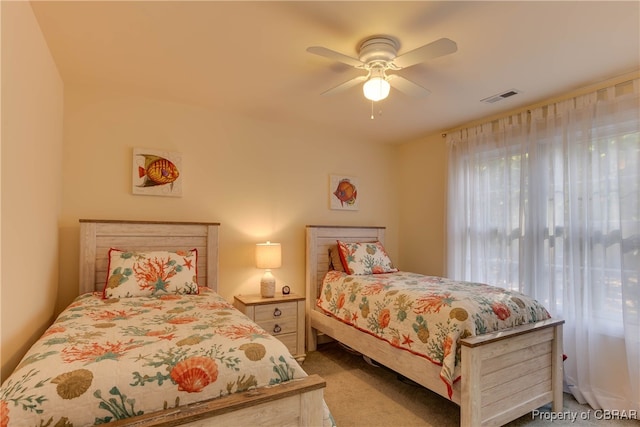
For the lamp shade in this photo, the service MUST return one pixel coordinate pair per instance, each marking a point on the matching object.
(268, 255)
(376, 89)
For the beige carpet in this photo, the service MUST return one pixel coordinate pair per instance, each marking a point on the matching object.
(359, 394)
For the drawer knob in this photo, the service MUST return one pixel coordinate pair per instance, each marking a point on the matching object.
(277, 329)
(277, 312)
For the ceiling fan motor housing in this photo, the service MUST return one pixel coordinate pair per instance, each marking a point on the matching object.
(378, 49)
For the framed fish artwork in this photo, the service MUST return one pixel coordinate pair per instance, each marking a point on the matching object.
(343, 192)
(157, 173)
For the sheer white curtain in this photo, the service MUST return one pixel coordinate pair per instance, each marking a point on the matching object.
(484, 201)
(548, 204)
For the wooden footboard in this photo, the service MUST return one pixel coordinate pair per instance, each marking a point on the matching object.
(510, 373)
(295, 403)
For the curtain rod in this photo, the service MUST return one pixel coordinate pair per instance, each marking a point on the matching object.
(596, 87)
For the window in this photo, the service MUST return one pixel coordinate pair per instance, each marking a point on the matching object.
(547, 204)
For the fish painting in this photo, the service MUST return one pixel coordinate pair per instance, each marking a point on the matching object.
(346, 192)
(157, 171)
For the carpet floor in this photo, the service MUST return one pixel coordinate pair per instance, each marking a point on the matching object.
(361, 395)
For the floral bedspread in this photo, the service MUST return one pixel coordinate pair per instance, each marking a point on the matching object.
(104, 360)
(425, 315)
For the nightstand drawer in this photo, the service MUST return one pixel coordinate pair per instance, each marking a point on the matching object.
(279, 326)
(268, 312)
(290, 340)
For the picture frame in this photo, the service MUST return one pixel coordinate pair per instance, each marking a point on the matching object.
(343, 192)
(156, 173)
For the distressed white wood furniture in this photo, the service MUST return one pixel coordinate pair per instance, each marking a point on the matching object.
(505, 374)
(98, 236)
(296, 403)
(282, 316)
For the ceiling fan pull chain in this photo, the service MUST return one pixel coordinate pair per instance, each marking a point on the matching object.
(379, 111)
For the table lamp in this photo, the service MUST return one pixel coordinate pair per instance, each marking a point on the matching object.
(268, 256)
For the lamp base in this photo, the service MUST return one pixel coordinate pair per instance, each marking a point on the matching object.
(268, 285)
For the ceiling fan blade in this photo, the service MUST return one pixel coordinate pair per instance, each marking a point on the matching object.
(407, 86)
(336, 56)
(429, 51)
(344, 86)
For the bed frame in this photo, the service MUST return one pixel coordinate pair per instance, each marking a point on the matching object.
(296, 403)
(505, 374)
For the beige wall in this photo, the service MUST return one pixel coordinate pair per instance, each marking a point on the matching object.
(422, 179)
(32, 112)
(260, 180)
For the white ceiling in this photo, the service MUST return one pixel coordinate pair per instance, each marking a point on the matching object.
(250, 58)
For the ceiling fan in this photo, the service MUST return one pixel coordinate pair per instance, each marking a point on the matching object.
(379, 54)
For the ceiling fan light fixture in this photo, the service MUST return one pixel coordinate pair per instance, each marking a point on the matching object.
(379, 54)
(376, 89)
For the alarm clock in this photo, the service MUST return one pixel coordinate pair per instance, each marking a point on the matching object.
(286, 290)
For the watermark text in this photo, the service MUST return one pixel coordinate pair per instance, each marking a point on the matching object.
(591, 414)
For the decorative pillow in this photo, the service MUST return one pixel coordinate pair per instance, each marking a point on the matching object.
(365, 258)
(134, 274)
(335, 263)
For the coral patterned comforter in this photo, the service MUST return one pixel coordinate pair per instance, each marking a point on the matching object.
(104, 360)
(425, 315)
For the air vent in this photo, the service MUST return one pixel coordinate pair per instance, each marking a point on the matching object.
(500, 97)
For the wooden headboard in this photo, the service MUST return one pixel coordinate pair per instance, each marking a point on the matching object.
(321, 239)
(98, 236)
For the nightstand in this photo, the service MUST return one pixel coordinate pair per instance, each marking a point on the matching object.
(282, 316)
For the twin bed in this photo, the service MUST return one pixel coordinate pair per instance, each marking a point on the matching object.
(171, 355)
(512, 368)
(185, 356)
